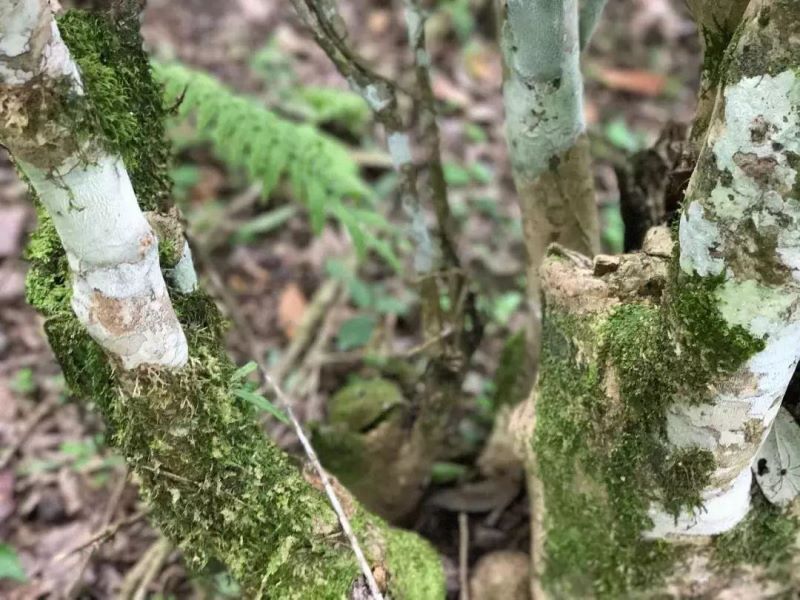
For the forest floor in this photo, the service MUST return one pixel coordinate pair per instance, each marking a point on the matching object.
(70, 515)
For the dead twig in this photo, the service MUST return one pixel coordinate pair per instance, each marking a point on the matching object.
(107, 533)
(134, 586)
(463, 555)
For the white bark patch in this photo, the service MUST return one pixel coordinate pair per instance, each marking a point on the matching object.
(119, 293)
(20, 19)
(751, 148)
(543, 96)
(183, 275)
(399, 149)
(698, 238)
(777, 464)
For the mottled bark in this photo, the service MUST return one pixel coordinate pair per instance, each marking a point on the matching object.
(662, 372)
(717, 21)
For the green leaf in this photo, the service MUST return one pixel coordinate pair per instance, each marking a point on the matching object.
(355, 332)
(244, 371)
(621, 136)
(613, 228)
(265, 222)
(482, 173)
(456, 175)
(261, 403)
(505, 305)
(447, 472)
(10, 565)
(24, 382)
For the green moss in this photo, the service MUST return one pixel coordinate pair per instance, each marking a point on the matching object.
(127, 113)
(594, 460)
(683, 478)
(600, 439)
(512, 381)
(709, 347)
(767, 537)
(416, 569)
(361, 405)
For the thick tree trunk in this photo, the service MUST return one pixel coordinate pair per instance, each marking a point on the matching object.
(662, 372)
(155, 366)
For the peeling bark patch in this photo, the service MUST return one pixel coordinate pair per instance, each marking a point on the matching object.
(759, 169)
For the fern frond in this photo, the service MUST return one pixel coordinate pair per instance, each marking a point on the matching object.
(247, 136)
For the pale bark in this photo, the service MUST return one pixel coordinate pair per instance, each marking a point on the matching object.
(717, 21)
(118, 291)
(665, 358)
(545, 127)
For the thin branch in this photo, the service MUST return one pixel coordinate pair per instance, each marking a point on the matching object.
(107, 532)
(463, 555)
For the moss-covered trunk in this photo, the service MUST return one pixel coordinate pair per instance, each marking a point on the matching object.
(216, 486)
(662, 372)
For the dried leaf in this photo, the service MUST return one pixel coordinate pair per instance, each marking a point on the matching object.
(291, 307)
(634, 81)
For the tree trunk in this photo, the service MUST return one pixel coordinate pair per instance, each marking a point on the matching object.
(151, 356)
(545, 128)
(662, 372)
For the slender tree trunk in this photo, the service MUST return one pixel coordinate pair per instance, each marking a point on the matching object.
(151, 355)
(545, 127)
(662, 372)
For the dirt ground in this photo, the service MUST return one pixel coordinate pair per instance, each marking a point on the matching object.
(68, 509)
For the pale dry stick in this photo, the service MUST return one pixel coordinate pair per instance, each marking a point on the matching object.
(35, 418)
(160, 554)
(326, 484)
(324, 298)
(242, 329)
(463, 555)
(152, 559)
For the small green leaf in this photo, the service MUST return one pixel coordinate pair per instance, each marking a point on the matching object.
(244, 371)
(265, 223)
(10, 565)
(505, 305)
(261, 403)
(24, 382)
(621, 136)
(613, 228)
(482, 173)
(447, 472)
(456, 175)
(355, 332)
(475, 133)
